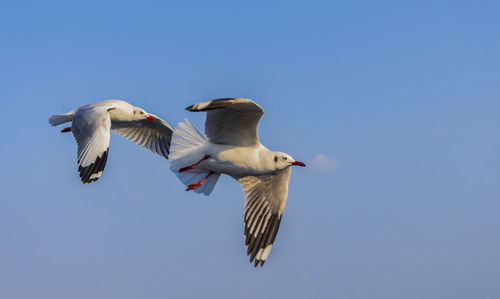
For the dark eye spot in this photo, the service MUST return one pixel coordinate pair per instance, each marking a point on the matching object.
(141, 112)
(275, 158)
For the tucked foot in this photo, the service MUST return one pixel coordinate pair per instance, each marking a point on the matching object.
(200, 183)
(194, 165)
(194, 186)
(66, 130)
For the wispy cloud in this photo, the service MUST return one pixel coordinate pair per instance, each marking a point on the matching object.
(323, 163)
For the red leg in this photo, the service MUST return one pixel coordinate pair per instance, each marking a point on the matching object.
(194, 165)
(65, 130)
(200, 183)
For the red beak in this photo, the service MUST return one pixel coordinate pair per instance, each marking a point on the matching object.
(150, 117)
(298, 163)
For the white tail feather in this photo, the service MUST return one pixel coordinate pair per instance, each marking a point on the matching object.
(58, 119)
(186, 148)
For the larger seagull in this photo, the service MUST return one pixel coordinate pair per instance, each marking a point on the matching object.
(91, 125)
(233, 148)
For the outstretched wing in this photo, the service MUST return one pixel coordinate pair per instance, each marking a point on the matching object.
(154, 134)
(90, 128)
(264, 204)
(231, 121)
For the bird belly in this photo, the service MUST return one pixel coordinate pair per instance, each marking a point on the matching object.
(233, 160)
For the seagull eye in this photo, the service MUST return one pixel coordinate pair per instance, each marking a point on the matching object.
(141, 112)
(283, 158)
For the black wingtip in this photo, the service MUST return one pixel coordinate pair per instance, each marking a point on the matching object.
(258, 263)
(262, 240)
(94, 168)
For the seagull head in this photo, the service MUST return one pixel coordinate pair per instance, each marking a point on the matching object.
(139, 112)
(282, 161)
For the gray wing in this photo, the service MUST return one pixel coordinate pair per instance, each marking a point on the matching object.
(231, 121)
(264, 204)
(90, 128)
(154, 135)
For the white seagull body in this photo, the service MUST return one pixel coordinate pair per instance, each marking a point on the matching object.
(233, 148)
(91, 125)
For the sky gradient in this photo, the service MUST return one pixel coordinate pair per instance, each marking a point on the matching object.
(393, 105)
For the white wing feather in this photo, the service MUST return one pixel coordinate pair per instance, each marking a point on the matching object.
(265, 200)
(90, 128)
(154, 135)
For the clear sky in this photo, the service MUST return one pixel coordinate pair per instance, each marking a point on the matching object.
(394, 106)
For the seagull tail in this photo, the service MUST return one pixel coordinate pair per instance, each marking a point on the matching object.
(186, 148)
(58, 119)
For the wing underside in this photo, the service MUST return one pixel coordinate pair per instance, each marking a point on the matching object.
(264, 204)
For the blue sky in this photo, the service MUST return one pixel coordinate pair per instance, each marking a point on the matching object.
(394, 106)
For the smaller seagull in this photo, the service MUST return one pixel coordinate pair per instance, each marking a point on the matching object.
(233, 148)
(91, 126)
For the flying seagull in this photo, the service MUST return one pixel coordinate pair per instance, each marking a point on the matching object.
(91, 126)
(233, 148)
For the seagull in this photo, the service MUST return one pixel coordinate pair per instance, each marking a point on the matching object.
(231, 146)
(91, 126)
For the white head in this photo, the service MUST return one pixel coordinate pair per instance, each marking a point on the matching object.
(282, 161)
(139, 112)
(126, 112)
